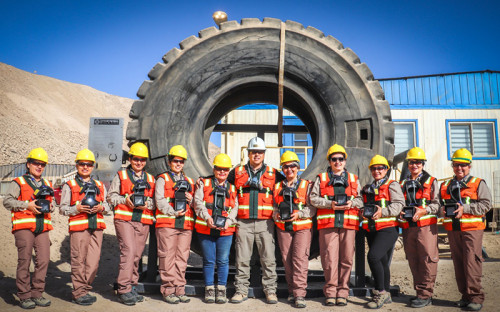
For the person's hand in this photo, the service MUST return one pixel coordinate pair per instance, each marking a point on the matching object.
(226, 226)
(419, 213)
(377, 213)
(294, 216)
(33, 207)
(276, 216)
(83, 208)
(459, 212)
(189, 198)
(97, 209)
(210, 223)
(129, 203)
(180, 213)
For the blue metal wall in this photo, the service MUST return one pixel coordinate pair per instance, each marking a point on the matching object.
(475, 90)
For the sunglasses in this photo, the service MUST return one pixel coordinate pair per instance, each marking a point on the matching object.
(38, 164)
(285, 167)
(460, 165)
(85, 164)
(379, 168)
(257, 152)
(139, 159)
(178, 161)
(415, 162)
(339, 159)
(221, 169)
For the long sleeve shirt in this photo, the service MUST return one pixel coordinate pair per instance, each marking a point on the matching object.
(70, 210)
(483, 203)
(114, 198)
(162, 203)
(321, 202)
(10, 201)
(202, 211)
(308, 210)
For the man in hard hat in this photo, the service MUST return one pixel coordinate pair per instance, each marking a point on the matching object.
(132, 219)
(466, 200)
(255, 184)
(83, 199)
(31, 224)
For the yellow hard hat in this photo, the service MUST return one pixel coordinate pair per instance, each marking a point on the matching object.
(179, 151)
(139, 149)
(379, 160)
(336, 149)
(38, 154)
(222, 160)
(288, 156)
(85, 154)
(462, 155)
(416, 153)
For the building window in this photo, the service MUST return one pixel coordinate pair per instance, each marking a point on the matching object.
(478, 136)
(405, 135)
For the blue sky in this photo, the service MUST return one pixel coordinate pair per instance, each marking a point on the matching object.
(112, 45)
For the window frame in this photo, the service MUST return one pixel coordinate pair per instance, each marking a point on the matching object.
(414, 122)
(470, 122)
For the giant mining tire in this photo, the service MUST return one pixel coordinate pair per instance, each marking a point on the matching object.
(325, 85)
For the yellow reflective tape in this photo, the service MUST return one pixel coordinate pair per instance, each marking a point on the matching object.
(207, 182)
(198, 221)
(124, 175)
(471, 220)
(22, 180)
(80, 222)
(323, 176)
(72, 182)
(385, 219)
(327, 216)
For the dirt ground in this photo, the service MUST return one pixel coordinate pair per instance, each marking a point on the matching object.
(58, 288)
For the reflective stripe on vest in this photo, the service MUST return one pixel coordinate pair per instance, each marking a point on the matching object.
(300, 201)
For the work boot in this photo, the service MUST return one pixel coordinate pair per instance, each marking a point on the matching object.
(210, 294)
(300, 302)
(341, 301)
(421, 302)
(172, 299)
(271, 297)
(220, 295)
(138, 297)
(93, 298)
(128, 298)
(462, 303)
(238, 298)
(84, 300)
(330, 301)
(183, 298)
(27, 304)
(41, 301)
(474, 306)
(290, 299)
(378, 299)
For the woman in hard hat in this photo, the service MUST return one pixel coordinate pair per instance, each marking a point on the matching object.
(83, 199)
(216, 207)
(383, 202)
(466, 200)
(131, 194)
(336, 195)
(174, 225)
(31, 223)
(293, 218)
(419, 223)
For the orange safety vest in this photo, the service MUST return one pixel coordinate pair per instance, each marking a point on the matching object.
(208, 200)
(122, 211)
(83, 221)
(301, 193)
(265, 196)
(382, 199)
(26, 219)
(468, 222)
(424, 196)
(329, 218)
(184, 222)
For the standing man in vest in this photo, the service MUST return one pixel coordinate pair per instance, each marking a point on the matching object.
(293, 217)
(31, 224)
(131, 194)
(83, 199)
(337, 195)
(255, 184)
(466, 200)
(420, 232)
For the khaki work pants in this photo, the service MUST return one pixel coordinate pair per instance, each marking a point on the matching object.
(421, 249)
(25, 242)
(295, 247)
(132, 237)
(466, 252)
(85, 255)
(261, 232)
(173, 253)
(337, 253)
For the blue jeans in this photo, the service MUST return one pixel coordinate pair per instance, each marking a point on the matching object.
(215, 251)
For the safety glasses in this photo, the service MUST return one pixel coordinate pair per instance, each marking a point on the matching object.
(38, 164)
(286, 167)
(85, 164)
(461, 165)
(378, 168)
(221, 169)
(335, 159)
(178, 161)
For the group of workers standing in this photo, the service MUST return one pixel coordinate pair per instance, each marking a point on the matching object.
(252, 202)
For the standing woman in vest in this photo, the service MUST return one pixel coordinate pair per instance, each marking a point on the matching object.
(293, 217)
(216, 208)
(83, 199)
(131, 194)
(31, 224)
(336, 195)
(387, 200)
(466, 200)
(174, 226)
(420, 229)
